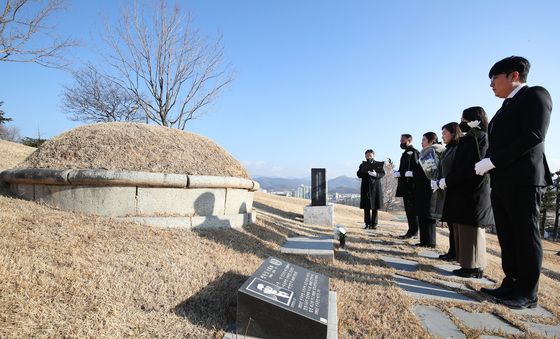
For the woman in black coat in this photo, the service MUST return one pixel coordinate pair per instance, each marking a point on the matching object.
(451, 134)
(428, 202)
(467, 202)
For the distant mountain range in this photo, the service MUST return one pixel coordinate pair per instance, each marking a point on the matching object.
(340, 184)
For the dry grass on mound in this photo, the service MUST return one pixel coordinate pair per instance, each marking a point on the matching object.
(68, 275)
(13, 153)
(135, 147)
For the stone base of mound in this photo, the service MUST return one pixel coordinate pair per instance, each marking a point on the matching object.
(169, 200)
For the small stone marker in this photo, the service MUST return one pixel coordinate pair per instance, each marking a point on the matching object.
(283, 300)
(319, 212)
(423, 290)
(318, 187)
(320, 247)
(484, 321)
(436, 322)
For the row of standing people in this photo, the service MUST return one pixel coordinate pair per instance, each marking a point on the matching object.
(440, 183)
(490, 173)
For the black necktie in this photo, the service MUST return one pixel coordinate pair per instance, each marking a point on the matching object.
(506, 102)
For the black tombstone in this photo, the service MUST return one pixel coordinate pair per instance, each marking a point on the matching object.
(283, 300)
(318, 187)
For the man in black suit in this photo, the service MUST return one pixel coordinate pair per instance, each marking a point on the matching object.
(519, 172)
(371, 192)
(405, 187)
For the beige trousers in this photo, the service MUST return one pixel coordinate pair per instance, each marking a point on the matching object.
(470, 245)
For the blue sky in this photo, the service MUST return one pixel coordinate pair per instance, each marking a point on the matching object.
(318, 82)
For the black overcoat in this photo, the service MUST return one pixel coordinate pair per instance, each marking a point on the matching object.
(371, 191)
(427, 203)
(409, 159)
(517, 134)
(467, 198)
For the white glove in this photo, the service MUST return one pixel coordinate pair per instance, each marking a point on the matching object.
(408, 174)
(434, 184)
(442, 183)
(396, 174)
(372, 173)
(483, 166)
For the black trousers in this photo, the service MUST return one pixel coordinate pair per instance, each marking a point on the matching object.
(427, 231)
(451, 240)
(411, 216)
(516, 212)
(370, 217)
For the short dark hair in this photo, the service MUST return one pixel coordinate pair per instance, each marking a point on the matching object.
(511, 64)
(408, 136)
(432, 137)
(369, 151)
(455, 130)
(476, 113)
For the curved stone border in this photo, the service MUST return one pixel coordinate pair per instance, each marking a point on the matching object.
(159, 199)
(100, 177)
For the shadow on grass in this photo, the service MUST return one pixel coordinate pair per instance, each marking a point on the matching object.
(215, 305)
(278, 212)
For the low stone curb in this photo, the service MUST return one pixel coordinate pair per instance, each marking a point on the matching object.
(101, 177)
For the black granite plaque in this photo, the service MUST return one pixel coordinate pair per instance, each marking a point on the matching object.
(318, 187)
(283, 300)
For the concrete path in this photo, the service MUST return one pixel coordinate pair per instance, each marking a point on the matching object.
(433, 319)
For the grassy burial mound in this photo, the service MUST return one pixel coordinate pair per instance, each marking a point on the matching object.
(12, 154)
(135, 147)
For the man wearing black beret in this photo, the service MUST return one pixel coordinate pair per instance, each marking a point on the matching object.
(519, 173)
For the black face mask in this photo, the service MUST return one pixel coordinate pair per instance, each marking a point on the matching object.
(403, 145)
(464, 126)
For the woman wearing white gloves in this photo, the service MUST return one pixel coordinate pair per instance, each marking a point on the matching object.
(467, 202)
(428, 202)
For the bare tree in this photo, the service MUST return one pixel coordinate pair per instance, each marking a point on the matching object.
(10, 133)
(25, 35)
(95, 97)
(168, 66)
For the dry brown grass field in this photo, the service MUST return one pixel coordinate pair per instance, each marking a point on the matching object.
(71, 275)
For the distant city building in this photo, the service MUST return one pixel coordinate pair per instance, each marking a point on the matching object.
(302, 192)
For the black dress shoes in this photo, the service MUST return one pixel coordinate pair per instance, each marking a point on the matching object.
(407, 236)
(447, 257)
(469, 272)
(366, 226)
(498, 293)
(519, 303)
(425, 245)
(373, 227)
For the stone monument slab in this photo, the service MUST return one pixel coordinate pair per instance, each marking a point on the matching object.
(319, 215)
(283, 300)
(318, 187)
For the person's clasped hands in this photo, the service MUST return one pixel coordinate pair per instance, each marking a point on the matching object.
(396, 174)
(372, 173)
(442, 183)
(408, 174)
(434, 184)
(483, 166)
